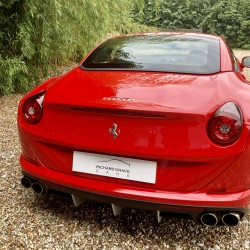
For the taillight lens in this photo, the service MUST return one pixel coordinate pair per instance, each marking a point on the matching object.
(225, 126)
(33, 108)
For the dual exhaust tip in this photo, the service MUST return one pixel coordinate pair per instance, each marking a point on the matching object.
(229, 219)
(36, 187)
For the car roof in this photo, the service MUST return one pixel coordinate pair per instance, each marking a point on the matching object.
(168, 33)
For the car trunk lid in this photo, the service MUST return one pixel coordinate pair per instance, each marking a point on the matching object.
(157, 117)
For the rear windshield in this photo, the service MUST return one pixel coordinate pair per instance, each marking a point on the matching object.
(167, 53)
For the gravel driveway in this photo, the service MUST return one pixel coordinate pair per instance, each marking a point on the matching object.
(31, 221)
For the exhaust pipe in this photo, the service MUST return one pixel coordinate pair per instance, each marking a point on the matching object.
(26, 182)
(209, 219)
(37, 188)
(231, 219)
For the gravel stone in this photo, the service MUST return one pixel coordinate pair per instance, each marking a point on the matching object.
(78, 234)
(31, 221)
(245, 222)
(200, 244)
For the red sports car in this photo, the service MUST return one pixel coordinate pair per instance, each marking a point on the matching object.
(152, 121)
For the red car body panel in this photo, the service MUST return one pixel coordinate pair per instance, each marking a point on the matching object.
(199, 199)
(166, 123)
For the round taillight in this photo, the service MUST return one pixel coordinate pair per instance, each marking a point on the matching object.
(225, 126)
(33, 108)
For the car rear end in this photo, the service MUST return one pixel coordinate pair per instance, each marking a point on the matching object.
(138, 138)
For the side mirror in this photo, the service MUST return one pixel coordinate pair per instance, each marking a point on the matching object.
(246, 61)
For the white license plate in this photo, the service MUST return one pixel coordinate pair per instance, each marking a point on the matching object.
(116, 167)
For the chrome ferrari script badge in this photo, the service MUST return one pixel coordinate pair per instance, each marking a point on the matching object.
(113, 130)
(114, 98)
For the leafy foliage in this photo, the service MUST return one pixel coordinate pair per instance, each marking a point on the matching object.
(37, 36)
(230, 19)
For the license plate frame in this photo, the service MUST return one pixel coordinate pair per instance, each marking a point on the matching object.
(115, 167)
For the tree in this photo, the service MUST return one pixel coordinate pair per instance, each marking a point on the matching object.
(230, 19)
(37, 36)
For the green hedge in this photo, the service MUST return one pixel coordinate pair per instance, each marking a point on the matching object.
(230, 19)
(37, 36)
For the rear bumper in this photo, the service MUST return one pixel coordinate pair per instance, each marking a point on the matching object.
(186, 205)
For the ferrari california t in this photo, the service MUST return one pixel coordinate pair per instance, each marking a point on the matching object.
(151, 121)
